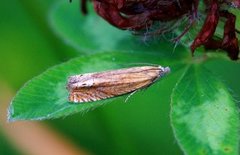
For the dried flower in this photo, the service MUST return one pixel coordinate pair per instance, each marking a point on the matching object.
(137, 15)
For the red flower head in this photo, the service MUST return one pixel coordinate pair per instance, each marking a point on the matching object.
(137, 15)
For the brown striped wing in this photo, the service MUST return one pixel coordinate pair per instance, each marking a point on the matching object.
(89, 94)
(102, 85)
(109, 78)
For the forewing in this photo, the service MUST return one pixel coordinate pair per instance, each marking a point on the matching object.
(89, 94)
(102, 85)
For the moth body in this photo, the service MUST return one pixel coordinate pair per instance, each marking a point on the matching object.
(101, 85)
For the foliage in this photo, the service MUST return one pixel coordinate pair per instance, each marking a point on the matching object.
(204, 114)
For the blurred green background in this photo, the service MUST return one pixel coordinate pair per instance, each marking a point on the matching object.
(28, 46)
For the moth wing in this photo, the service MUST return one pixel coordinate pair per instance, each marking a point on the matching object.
(89, 94)
(128, 78)
(98, 86)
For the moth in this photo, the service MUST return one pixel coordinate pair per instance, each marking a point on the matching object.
(102, 85)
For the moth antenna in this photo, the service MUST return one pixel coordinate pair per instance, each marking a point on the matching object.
(128, 97)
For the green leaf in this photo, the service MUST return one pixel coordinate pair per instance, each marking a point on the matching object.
(91, 33)
(204, 116)
(46, 96)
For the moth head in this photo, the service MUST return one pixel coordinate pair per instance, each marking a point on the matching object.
(167, 70)
(164, 70)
